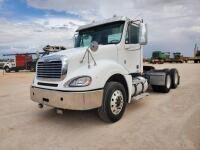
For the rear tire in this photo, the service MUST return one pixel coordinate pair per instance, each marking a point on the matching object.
(114, 102)
(166, 87)
(175, 78)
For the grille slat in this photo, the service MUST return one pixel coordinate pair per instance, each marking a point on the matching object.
(45, 76)
(51, 69)
(51, 63)
(44, 73)
(48, 71)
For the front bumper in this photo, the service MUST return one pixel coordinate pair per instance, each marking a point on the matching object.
(67, 100)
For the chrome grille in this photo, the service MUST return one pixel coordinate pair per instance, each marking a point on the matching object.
(52, 69)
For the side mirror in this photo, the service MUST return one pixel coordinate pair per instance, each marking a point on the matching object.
(143, 34)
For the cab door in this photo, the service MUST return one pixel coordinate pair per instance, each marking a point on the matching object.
(130, 54)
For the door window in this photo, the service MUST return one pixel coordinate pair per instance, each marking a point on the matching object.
(132, 35)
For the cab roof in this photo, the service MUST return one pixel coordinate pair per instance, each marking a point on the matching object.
(97, 23)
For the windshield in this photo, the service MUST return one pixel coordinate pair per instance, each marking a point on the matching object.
(104, 34)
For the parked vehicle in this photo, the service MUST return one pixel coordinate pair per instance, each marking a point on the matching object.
(177, 58)
(104, 70)
(196, 58)
(19, 63)
(159, 57)
(25, 61)
(4, 61)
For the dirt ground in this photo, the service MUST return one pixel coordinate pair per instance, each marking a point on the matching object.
(158, 122)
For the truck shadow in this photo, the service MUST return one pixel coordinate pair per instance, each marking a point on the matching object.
(82, 118)
(71, 117)
(134, 106)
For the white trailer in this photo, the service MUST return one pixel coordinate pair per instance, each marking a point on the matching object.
(104, 70)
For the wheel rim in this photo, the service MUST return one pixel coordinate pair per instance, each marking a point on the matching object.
(117, 102)
(168, 81)
(176, 78)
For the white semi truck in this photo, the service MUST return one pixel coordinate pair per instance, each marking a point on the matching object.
(104, 70)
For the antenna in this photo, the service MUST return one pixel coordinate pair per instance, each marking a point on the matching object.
(195, 49)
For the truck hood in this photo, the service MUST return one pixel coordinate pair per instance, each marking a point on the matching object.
(103, 52)
(73, 58)
(66, 54)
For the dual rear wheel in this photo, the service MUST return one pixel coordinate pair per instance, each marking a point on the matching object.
(172, 80)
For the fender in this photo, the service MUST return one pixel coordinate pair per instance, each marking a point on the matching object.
(99, 74)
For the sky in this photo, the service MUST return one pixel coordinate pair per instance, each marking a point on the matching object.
(29, 25)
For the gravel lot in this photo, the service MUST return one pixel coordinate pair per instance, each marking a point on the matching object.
(159, 122)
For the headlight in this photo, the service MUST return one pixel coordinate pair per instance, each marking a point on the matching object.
(64, 67)
(80, 81)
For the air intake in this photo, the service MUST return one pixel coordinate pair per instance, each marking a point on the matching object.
(52, 69)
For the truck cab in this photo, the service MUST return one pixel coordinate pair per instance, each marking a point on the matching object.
(7, 64)
(103, 71)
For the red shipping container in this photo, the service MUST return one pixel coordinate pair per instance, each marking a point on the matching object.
(21, 60)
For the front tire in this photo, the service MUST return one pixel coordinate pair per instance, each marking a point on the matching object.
(7, 69)
(114, 102)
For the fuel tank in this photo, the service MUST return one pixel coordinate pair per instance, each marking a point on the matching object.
(139, 85)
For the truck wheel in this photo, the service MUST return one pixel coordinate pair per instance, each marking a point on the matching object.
(7, 69)
(166, 87)
(175, 78)
(114, 102)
